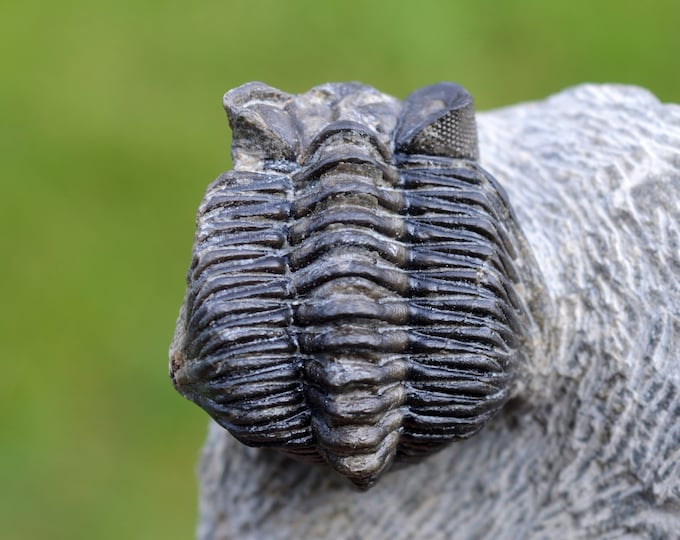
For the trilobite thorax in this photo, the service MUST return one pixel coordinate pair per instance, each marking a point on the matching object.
(355, 295)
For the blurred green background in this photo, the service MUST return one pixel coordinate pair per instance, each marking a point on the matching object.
(110, 128)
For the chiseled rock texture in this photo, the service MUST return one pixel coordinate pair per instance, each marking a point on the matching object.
(590, 447)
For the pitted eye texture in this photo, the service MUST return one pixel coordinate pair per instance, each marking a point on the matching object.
(439, 120)
(355, 305)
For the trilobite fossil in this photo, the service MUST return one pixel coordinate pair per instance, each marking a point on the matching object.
(356, 294)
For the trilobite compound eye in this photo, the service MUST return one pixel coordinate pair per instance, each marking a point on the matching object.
(261, 127)
(438, 120)
(369, 302)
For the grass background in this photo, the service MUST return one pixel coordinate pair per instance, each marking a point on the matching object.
(110, 129)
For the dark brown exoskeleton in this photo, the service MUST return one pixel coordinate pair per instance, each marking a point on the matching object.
(355, 295)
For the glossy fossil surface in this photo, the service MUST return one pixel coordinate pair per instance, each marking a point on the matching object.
(357, 291)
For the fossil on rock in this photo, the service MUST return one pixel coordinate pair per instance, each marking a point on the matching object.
(360, 292)
(588, 445)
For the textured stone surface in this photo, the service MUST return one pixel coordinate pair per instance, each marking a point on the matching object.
(590, 447)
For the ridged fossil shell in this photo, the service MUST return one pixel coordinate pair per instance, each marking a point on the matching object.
(355, 295)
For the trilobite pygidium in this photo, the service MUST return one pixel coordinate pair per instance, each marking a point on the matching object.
(355, 295)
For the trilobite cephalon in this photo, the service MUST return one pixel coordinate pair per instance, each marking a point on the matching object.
(355, 293)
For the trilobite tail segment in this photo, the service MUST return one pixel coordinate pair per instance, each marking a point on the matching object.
(463, 313)
(347, 272)
(236, 356)
(356, 294)
(466, 321)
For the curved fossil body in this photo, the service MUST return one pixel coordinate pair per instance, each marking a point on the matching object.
(357, 294)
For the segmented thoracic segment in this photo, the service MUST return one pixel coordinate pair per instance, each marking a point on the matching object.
(352, 300)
